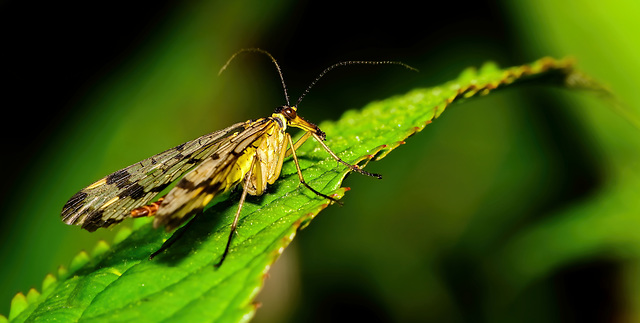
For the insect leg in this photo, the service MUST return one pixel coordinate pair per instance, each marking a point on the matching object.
(237, 216)
(354, 168)
(295, 159)
(278, 169)
(298, 143)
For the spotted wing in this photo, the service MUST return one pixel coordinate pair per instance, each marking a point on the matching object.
(111, 199)
(217, 173)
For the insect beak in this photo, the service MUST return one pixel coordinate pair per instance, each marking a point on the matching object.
(305, 125)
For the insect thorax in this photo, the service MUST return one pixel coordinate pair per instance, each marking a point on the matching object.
(280, 120)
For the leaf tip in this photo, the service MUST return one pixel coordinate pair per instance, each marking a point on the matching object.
(48, 281)
(32, 295)
(79, 260)
(100, 249)
(63, 272)
(18, 305)
(20, 302)
(121, 235)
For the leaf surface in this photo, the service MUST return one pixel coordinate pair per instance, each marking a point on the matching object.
(121, 284)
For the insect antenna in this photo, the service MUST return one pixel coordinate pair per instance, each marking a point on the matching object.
(345, 63)
(262, 51)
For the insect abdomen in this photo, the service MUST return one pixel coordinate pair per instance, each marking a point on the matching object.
(147, 210)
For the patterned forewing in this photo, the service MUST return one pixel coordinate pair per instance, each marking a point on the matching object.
(110, 200)
(216, 174)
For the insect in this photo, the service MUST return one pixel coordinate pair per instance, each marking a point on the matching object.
(249, 154)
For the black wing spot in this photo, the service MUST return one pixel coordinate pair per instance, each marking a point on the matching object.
(159, 188)
(120, 178)
(93, 222)
(73, 203)
(134, 191)
(186, 184)
(214, 188)
(181, 156)
(75, 199)
(109, 222)
(96, 221)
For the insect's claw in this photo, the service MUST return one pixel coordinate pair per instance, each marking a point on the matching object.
(357, 169)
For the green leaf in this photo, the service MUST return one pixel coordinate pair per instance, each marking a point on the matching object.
(121, 284)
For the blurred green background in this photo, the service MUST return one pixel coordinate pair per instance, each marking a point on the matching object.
(519, 206)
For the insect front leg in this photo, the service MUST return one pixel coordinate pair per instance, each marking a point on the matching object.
(298, 143)
(295, 160)
(354, 168)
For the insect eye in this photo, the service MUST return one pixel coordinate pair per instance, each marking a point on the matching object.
(289, 112)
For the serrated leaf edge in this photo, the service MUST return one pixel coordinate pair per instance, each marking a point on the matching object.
(20, 302)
